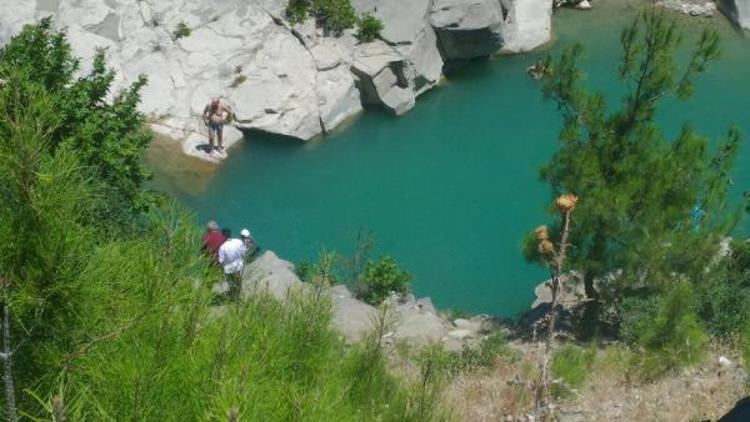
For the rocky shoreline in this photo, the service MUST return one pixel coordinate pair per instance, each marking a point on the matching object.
(291, 80)
(407, 319)
(284, 79)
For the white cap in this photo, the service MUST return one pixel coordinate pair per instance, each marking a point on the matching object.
(245, 233)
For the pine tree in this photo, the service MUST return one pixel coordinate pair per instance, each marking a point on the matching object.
(649, 205)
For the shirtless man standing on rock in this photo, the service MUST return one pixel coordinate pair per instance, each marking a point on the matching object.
(215, 115)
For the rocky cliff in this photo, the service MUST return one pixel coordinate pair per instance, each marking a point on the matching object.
(281, 79)
(407, 319)
(737, 10)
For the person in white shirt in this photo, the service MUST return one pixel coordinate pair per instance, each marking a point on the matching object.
(232, 258)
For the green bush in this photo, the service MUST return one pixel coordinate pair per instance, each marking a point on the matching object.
(744, 344)
(334, 16)
(368, 28)
(724, 302)
(297, 11)
(107, 137)
(181, 31)
(636, 312)
(675, 337)
(723, 295)
(571, 365)
(490, 349)
(381, 279)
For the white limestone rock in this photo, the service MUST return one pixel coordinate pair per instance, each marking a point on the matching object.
(338, 97)
(466, 30)
(281, 80)
(528, 24)
(278, 94)
(270, 273)
(406, 27)
(384, 77)
(738, 11)
(352, 318)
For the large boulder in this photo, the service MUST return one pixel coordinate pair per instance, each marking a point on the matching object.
(406, 27)
(528, 24)
(467, 29)
(385, 77)
(352, 318)
(270, 273)
(737, 10)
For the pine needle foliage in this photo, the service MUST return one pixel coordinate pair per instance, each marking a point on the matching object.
(638, 187)
(107, 135)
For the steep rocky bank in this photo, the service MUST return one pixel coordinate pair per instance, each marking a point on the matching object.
(281, 79)
(737, 10)
(407, 320)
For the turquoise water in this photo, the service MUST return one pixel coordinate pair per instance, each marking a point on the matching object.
(450, 188)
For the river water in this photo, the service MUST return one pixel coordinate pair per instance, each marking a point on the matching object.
(450, 188)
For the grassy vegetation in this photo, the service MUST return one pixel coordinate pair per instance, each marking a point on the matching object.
(108, 298)
(368, 28)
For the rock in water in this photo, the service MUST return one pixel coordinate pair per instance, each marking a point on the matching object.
(737, 10)
(528, 24)
(466, 30)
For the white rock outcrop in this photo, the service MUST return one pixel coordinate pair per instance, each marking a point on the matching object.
(737, 10)
(384, 77)
(407, 319)
(270, 273)
(278, 78)
(408, 30)
(467, 29)
(527, 25)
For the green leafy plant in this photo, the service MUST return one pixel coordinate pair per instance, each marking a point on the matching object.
(381, 279)
(238, 80)
(368, 28)
(334, 16)
(675, 337)
(571, 364)
(108, 137)
(182, 30)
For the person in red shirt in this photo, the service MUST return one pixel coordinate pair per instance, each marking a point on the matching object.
(212, 240)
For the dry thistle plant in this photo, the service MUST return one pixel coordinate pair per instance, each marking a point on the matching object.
(555, 259)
